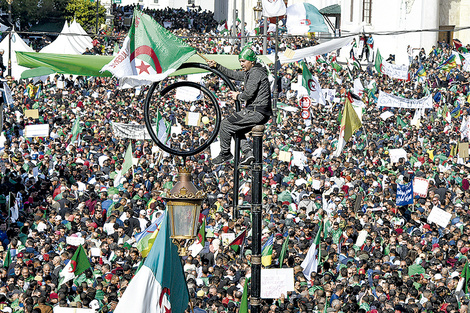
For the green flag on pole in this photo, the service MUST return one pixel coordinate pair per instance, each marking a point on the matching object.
(77, 265)
(127, 165)
(244, 300)
(149, 53)
(378, 62)
(76, 130)
(282, 255)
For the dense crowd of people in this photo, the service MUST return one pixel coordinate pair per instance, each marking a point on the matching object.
(375, 256)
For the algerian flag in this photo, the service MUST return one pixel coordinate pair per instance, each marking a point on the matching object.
(304, 18)
(77, 265)
(159, 285)
(274, 8)
(163, 128)
(310, 263)
(311, 84)
(358, 88)
(76, 130)
(350, 122)
(149, 53)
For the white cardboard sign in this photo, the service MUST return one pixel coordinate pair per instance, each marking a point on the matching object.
(420, 187)
(440, 217)
(275, 282)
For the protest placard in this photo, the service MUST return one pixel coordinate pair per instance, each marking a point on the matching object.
(463, 150)
(289, 53)
(404, 194)
(386, 115)
(395, 71)
(284, 156)
(34, 113)
(75, 241)
(396, 154)
(188, 94)
(40, 130)
(193, 119)
(440, 217)
(227, 238)
(420, 187)
(275, 282)
(299, 158)
(392, 101)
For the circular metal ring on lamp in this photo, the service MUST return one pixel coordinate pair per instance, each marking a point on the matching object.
(205, 91)
(164, 92)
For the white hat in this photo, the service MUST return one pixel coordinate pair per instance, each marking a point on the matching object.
(142, 212)
(437, 276)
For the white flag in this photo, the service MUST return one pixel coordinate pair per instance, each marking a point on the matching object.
(273, 8)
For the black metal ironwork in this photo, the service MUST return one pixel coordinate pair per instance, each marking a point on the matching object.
(231, 86)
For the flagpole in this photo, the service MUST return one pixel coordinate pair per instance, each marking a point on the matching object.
(276, 60)
(367, 142)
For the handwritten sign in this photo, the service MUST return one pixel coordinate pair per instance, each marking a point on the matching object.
(404, 194)
(284, 156)
(395, 71)
(34, 113)
(275, 282)
(188, 94)
(329, 94)
(193, 119)
(396, 154)
(75, 241)
(420, 187)
(392, 101)
(463, 150)
(440, 217)
(227, 238)
(41, 130)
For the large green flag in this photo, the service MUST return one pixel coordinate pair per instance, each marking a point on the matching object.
(378, 62)
(127, 165)
(77, 265)
(149, 53)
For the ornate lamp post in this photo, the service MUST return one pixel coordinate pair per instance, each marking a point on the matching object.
(184, 206)
(257, 10)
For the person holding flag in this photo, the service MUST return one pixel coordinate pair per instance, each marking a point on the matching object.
(257, 97)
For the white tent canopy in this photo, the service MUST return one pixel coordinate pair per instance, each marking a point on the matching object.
(69, 41)
(76, 28)
(17, 44)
